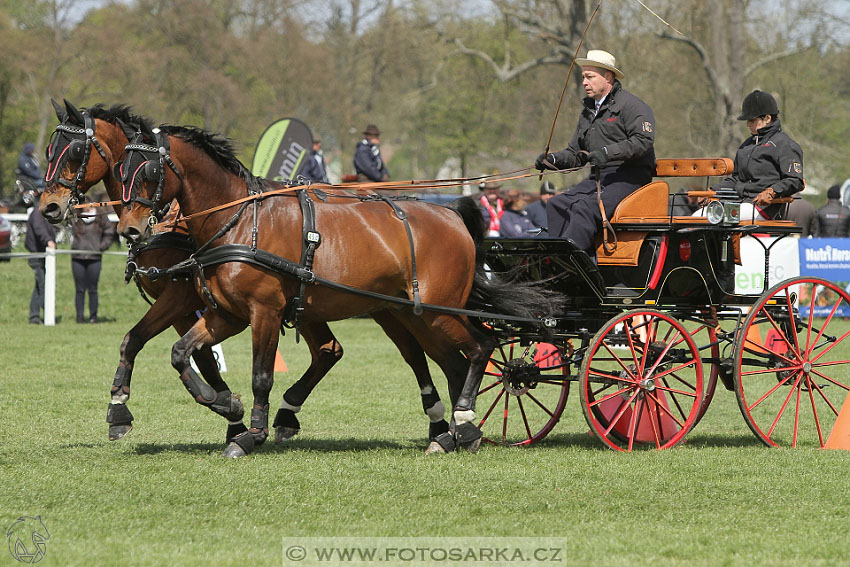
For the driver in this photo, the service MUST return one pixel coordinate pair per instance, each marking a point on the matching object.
(616, 131)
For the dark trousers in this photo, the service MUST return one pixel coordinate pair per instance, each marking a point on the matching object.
(37, 298)
(86, 275)
(575, 214)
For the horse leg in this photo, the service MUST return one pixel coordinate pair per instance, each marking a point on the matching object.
(158, 318)
(265, 329)
(213, 392)
(326, 351)
(210, 329)
(414, 355)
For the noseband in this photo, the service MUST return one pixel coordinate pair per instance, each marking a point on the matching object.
(146, 162)
(72, 143)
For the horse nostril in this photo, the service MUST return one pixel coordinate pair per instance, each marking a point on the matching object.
(51, 210)
(132, 234)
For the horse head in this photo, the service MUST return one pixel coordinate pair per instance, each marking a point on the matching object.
(81, 152)
(149, 181)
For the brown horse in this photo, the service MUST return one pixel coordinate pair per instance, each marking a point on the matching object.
(248, 276)
(86, 145)
(73, 169)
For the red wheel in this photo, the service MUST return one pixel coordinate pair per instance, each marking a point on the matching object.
(705, 339)
(641, 381)
(791, 356)
(523, 392)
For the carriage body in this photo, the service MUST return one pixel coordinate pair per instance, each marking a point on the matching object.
(648, 332)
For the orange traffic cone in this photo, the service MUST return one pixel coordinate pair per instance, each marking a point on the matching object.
(840, 436)
(279, 364)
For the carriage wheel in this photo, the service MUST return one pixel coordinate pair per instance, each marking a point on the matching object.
(641, 381)
(792, 358)
(523, 392)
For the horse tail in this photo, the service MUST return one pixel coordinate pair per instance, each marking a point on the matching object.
(502, 293)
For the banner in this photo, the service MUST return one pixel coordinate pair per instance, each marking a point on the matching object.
(827, 258)
(784, 263)
(283, 150)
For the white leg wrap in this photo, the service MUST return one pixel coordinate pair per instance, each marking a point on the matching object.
(464, 416)
(119, 399)
(293, 409)
(426, 390)
(436, 412)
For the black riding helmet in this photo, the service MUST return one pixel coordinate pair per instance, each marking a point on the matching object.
(758, 103)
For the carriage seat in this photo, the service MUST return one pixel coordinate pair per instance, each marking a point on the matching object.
(649, 204)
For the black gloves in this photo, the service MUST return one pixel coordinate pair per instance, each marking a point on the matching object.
(598, 157)
(550, 158)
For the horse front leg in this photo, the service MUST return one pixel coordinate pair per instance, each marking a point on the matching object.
(210, 329)
(265, 328)
(467, 434)
(326, 352)
(168, 307)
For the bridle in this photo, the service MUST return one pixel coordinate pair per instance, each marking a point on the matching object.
(72, 143)
(146, 162)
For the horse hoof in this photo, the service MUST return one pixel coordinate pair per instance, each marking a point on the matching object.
(472, 447)
(282, 434)
(234, 451)
(116, 432)
(435, 449)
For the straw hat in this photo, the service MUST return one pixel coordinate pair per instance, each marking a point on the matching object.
(602, 59)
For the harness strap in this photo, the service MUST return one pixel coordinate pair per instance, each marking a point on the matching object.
(417, 299)
(606, 224)
(312, 239)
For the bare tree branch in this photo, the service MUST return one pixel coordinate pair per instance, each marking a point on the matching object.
(505, 72)
(769, 59)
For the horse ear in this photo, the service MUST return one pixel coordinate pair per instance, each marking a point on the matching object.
(73, 113)
(147, 131)
(128, 130)
(60, 112)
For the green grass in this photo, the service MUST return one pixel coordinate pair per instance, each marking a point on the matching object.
(164, 496)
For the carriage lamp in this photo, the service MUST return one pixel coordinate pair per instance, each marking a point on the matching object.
(726, 210)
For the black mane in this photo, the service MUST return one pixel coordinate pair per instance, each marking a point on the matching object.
(219, 148)
(120, 112)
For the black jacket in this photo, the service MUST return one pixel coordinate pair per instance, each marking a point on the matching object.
(93, 233)
(315, 168)
(39, 232)
(30, 168)
(368, 161)
(624, 127)
(832, 219)
(768, 159)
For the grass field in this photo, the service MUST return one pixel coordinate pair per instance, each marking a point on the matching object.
(164, 496)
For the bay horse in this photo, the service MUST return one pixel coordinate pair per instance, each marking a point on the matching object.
(86, 146)
(72, 170)
(365, 257)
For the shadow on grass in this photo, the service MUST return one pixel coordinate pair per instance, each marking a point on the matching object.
(319, 445)
(696, 440)
(156, 448)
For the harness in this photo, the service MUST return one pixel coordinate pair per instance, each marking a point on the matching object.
(72, 143)
(148, 162)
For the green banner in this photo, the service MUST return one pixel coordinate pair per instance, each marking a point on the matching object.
(282, 150)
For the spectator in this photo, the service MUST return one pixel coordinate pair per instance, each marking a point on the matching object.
(492, 206)
(367, 157)
(516, 222)
(832, 219)
(94, 233)
(537, 210)
(802, 213)
(29, 168)
(316, 169)
(40, 236)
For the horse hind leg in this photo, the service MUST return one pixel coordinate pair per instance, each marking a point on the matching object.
(326, 352)
(414, 356)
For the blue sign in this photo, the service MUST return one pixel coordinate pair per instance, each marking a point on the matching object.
(827, 258)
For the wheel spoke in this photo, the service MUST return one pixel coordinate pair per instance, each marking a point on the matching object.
(815, 412)
(621, 410)
(488, 388)
(524, 418)
(784, 405)
(490, 409)
(540, 404)
(665, 410)
(778, 385)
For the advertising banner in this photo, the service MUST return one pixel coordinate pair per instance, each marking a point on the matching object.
(784, 263)
(827, 258)
(283, 150)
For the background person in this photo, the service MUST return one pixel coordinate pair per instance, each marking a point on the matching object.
(368, 162)
(802, 213)
(832, 219)
(492, 206)
(537, 210)
(316, 169)
(92, 232)
(516, 222)
(40, 236)
(30, 170)
(616, 132)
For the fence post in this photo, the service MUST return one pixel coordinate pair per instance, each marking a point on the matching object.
(50, 287)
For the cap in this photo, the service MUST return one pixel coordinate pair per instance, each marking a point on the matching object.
(834, 192)
(758, 103)
(547, 188)
(371, 130)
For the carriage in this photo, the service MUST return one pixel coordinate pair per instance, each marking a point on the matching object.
(648, 332)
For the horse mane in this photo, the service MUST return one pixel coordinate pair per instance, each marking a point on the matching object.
(121, 112)
(219, 148)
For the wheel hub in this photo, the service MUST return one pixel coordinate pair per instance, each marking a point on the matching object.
(519, 376)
